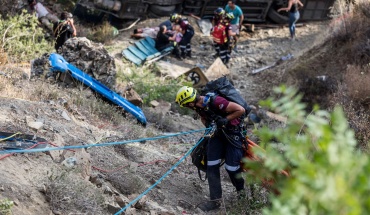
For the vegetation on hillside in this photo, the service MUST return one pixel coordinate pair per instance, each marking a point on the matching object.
(337, 72)
(328, 175)
(22, 39)
(324, 152)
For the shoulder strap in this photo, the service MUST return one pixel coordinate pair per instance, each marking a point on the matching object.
(57, 29)
(200, 176)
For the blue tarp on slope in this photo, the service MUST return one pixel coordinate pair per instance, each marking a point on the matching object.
(144, 51)
(58, 63)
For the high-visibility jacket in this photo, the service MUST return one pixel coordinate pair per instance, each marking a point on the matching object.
(219, 34)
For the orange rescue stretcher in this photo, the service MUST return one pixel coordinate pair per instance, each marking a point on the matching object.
(250, 155)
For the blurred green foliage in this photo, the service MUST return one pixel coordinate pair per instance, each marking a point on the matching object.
(328, 175)
(6, 206)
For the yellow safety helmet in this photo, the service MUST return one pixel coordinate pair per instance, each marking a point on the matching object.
(230, 16)
(219, 11)
(185, 95)
(174, 16)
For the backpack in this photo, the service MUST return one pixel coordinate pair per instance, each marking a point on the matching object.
(223, 87)
(219, 34)
(199, 157)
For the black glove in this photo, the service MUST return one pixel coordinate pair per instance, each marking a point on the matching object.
(221, 122)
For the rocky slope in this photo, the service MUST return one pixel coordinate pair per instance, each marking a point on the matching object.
(101, 180)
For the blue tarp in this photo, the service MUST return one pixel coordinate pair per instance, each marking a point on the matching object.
(143, 51)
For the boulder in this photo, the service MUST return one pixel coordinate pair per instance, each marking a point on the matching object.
(91, 58)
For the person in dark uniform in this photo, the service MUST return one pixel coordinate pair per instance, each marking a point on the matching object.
(187, 32)
(64, 29)
(226, 142)
(164, 40)
(217, 18)
(293, 6)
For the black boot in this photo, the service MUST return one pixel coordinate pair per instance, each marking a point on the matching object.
(176, 52)
(236, 179)
(188, 54)
(215, 190)
(210, 205)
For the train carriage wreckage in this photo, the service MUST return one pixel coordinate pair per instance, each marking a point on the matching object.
(255, 11)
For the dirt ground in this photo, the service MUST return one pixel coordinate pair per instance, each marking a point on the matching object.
(24, 177)
(255, 50)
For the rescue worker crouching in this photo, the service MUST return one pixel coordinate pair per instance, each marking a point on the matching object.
(226, 143)
(187, 31)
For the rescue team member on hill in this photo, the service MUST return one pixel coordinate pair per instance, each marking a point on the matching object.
(64, 29)
(217, 18)
(43, 14)
(187, 32)
(222, 34)
(237, 22)
(231, 42)
(293, 15)
(164, 40)
(225, 143)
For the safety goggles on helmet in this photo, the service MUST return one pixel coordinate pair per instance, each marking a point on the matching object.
(230, 16)
(219, 11)
(174, 16)
(185, 95)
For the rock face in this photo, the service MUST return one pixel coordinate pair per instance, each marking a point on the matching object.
(91, 58)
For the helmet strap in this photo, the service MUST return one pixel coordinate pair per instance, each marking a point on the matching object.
(207, 99)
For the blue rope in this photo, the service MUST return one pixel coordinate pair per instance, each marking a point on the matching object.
(165, 175)
(100, 144)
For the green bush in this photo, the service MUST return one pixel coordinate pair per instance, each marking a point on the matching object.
(22, 38)
(6, 206)
(328, 175)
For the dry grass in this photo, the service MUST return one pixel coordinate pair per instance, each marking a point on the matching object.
(353, 29)
(344, 60)
(3, 57)
(103, 33)
(68, 193)
(14, 83)
(357, 80)
(8, 8)
(126, 182)
(354, 90)
(354, 95)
